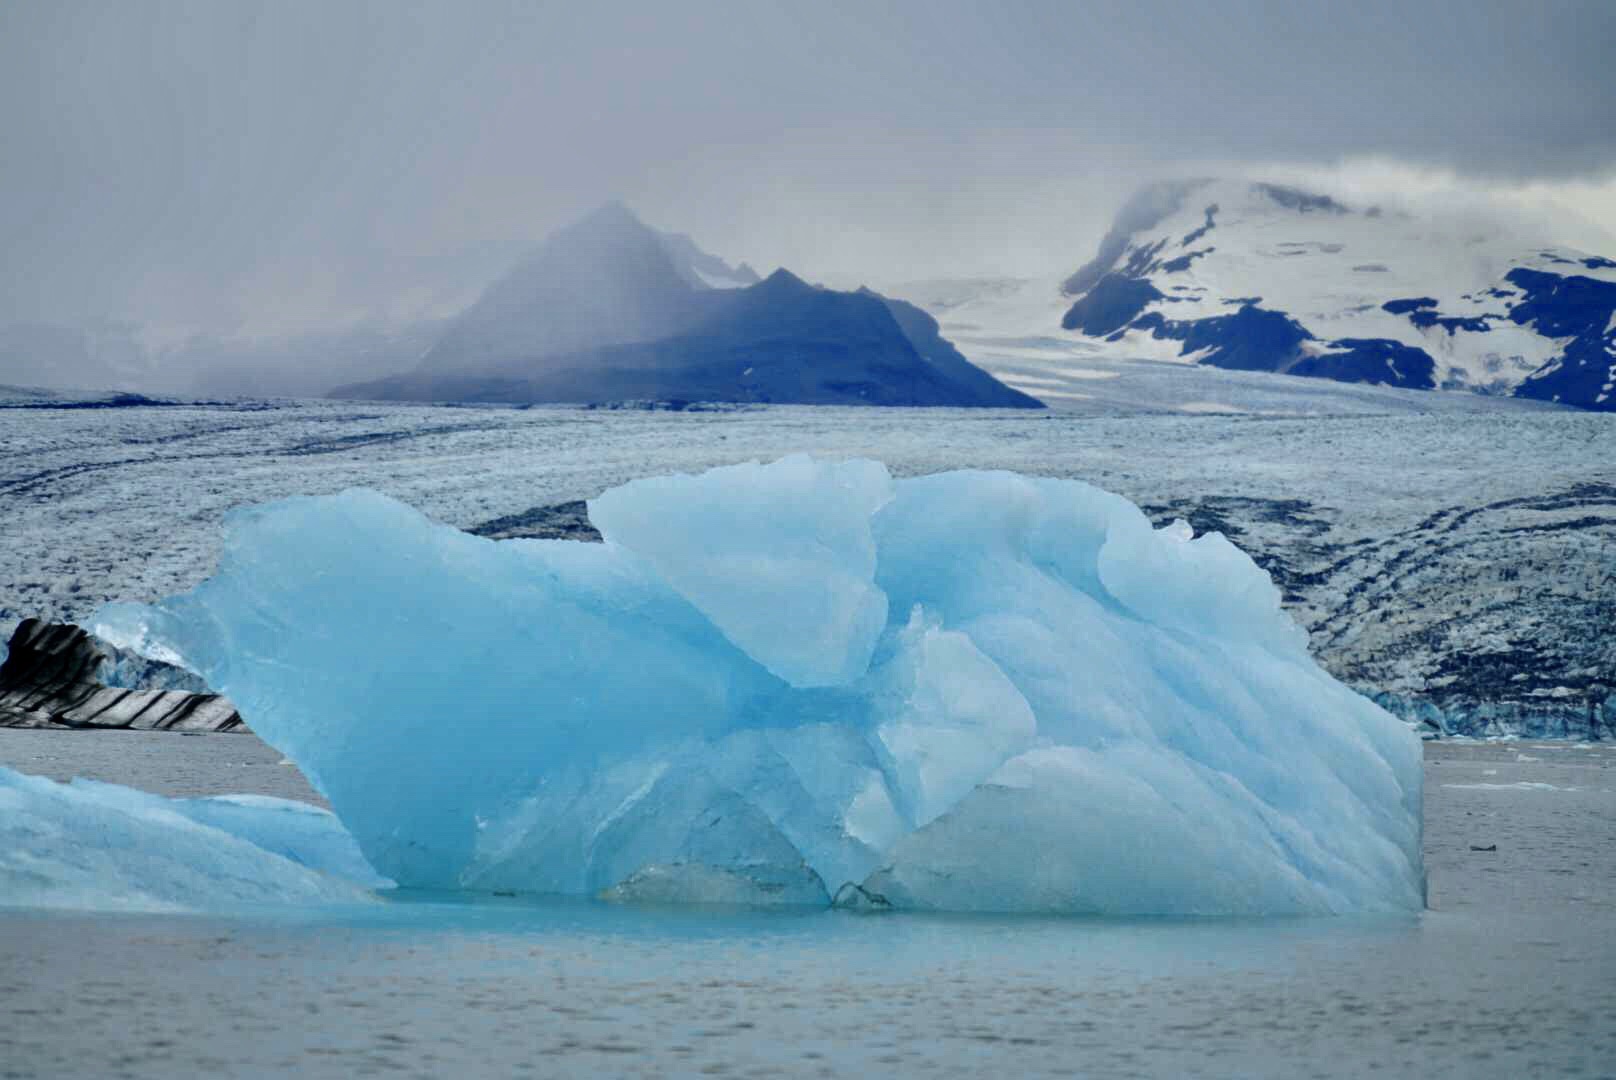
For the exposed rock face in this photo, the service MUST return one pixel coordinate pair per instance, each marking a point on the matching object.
(50, 678)
(563, 521)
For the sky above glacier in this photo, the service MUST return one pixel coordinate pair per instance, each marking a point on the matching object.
(268, 165)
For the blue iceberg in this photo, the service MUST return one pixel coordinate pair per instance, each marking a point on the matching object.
(789, 682)
(97, 846)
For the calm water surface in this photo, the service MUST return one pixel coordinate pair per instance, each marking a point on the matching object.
(1512, 972)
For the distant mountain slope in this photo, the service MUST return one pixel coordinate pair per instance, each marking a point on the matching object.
(927, 338)
(70, 358)
(115, 357)
(702, 269)
(1261, 277)
(300, 365)
(609, 310)
(604, 280)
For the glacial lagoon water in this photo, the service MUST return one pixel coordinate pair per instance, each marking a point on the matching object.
(1510, 973)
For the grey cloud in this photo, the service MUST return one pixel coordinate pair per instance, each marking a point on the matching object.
(216, 163)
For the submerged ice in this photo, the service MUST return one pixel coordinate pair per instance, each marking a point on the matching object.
(965, 691)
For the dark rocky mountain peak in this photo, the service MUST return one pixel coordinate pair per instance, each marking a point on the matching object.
(609, 309)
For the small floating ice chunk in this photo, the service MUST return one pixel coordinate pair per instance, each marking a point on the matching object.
(98, 846)
(1519, 785)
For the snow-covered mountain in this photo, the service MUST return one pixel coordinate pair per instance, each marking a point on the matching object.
(1261, 277)
(609, 309)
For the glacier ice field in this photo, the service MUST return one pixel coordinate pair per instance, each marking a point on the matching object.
(802, 682)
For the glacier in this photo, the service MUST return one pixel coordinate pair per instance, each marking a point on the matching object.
(93, 846)
(967, 691)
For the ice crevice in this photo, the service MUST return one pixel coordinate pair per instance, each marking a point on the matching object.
(787, 682)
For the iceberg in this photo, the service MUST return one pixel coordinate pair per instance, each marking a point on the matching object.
(94, 846)
(969, 691)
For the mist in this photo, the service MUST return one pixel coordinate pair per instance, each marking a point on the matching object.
(182, 174)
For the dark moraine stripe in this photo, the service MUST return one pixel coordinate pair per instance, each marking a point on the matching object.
(49, 680)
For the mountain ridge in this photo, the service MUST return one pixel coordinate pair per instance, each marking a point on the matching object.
(608, 309)
(1264, 277)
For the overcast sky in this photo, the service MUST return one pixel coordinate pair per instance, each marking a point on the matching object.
(229, 163)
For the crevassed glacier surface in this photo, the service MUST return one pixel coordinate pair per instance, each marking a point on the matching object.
(101, 846)
(965, 691)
